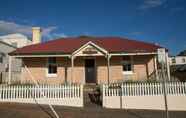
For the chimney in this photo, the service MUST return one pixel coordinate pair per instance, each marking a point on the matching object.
(36, 35)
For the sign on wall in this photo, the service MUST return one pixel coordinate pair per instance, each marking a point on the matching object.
(90, 50)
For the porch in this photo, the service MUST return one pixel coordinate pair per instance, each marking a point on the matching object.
(87, 69)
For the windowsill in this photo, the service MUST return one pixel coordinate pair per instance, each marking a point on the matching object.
(51, 75)
(128, 72)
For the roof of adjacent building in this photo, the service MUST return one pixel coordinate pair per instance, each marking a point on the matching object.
(14, 36)
(71, 44)
(2, 42)
(182, 53)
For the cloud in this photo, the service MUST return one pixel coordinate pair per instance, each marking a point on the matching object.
(52, 36)
(60, 35)
(148, 4)
(12, 27)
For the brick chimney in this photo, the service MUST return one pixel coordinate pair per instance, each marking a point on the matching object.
(36, 35)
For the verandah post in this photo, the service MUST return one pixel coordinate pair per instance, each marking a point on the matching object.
(10, 69)
(72, 69)
(156, 67)
(108, 67)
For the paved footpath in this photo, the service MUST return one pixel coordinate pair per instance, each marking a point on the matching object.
(12, 110)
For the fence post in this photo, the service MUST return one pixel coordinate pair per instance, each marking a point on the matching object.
(103, 101)
(81, 91)
(0, 92)
(121, 96)
(184, 87)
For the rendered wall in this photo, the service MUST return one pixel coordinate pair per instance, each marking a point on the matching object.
(175, 103)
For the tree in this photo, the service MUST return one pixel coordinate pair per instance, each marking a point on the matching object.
(182, 53)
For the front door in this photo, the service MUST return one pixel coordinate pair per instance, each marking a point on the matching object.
(90, 71)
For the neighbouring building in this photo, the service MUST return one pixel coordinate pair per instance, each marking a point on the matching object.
(178, 66)
(9, 43)
(16, 63)
(87, 59)
(16, 40)
(177, 60)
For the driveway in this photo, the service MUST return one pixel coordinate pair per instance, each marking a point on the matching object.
(12, 110)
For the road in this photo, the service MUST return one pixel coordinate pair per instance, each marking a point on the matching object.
(12, 110)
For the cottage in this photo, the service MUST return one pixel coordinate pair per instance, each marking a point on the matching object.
(87, 60)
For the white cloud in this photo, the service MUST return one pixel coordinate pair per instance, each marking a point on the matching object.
(147, 4)
(60, 35)
(12, 27)
(52, 36)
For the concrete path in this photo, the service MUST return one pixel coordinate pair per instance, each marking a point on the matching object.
(12, 110)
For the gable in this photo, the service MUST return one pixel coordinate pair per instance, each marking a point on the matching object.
(90, 49)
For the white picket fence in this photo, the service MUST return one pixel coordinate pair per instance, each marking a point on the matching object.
(67, 95)
(144, 96)
(142, 89)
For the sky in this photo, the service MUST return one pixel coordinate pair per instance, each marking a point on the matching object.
(156, 21)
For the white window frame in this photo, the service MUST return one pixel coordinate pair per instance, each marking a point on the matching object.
(127, 62)
(47, 69)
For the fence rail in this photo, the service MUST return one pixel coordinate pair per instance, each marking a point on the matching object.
(142, 89)
(70, 95)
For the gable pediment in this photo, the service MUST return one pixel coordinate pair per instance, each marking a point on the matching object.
(90, 49)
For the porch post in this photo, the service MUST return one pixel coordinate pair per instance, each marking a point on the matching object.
(168, 66)
(9, 69)
(108, 67)
(132, 62)
(72, 70)
(156, 67)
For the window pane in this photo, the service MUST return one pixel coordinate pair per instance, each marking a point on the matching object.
(52, 69)
(127, 67)
(124, 68)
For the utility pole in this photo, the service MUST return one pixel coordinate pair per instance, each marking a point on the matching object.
(164, 88)
(162, 61)
(37, 85)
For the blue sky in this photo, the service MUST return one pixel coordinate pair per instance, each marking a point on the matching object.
(156, 21)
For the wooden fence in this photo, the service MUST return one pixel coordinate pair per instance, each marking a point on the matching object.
(144, 96)
(67, 95)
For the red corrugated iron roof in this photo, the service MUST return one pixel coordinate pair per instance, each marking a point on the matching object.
(69, 45)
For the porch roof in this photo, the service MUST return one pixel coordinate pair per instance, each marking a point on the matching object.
(71, 44)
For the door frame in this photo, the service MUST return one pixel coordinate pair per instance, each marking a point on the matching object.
(95, 69)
